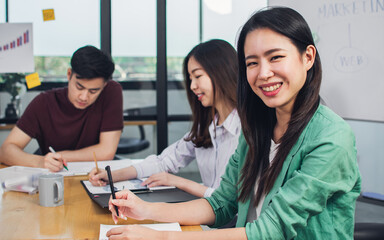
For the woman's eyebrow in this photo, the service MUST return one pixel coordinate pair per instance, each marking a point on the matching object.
(269, 52)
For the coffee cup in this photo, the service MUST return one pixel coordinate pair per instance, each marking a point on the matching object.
(51, 190)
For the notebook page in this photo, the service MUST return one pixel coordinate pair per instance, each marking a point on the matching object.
(158, 226)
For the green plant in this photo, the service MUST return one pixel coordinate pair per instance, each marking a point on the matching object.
(13, 83)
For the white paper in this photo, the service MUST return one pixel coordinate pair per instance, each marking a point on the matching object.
(133, 184)
(158, 226)
(83, 168)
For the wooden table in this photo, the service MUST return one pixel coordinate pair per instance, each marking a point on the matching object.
(21, 216)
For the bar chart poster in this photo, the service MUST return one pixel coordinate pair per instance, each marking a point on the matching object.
(16, 48)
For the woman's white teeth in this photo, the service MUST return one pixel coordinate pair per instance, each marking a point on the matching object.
(271, 88)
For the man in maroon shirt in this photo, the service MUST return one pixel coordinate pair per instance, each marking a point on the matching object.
(85, 117)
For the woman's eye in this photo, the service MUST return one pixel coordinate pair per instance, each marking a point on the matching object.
(276, 57)
(251, 63)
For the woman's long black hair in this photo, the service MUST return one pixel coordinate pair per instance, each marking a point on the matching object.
(219, 60)
(258, 121)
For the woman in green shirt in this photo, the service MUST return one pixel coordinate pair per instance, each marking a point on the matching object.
(294, 174)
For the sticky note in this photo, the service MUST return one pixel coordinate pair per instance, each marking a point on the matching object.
(32, 80)
(48, 14)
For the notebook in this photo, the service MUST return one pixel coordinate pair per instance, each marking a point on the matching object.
(83, 168)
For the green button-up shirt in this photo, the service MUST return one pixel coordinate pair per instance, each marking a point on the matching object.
(314, 196)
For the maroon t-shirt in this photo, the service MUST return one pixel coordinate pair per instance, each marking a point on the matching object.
(52, 120)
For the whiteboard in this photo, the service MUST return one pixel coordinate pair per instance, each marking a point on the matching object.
(349, 36)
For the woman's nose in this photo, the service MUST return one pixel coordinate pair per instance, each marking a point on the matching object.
(193, 85)
(265, 71)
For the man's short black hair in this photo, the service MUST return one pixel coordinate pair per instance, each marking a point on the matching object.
(89, 62)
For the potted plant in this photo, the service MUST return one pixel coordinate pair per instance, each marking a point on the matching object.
(13, 84)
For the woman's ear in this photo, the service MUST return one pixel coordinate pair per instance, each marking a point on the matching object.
(309, 56)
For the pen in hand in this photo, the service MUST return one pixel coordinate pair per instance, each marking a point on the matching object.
(94, 159)
(108, 169)
(53, 151)
(97, 168)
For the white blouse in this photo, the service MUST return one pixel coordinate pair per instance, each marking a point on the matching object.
(252, 212)
(211, 161)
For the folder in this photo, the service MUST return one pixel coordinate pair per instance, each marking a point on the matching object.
(101, 195)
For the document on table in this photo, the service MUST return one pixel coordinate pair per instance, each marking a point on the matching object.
(83, 168)
(158, 226)
(133, 185)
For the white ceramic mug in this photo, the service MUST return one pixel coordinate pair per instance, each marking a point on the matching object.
(51, 190)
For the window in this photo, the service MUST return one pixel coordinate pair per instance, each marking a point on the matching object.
(182, 36)
(220, 19)
(55, 41)
(2, 11)
(224, 18)
(134, 39)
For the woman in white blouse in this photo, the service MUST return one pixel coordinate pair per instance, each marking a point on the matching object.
(210, 71)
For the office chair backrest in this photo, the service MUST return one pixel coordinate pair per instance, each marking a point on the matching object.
(369, 231)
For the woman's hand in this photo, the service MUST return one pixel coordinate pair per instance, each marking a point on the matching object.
(129, 205)
(98, 178)
(134, 232)
(162, 179)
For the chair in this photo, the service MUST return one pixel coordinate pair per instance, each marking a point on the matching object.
(369, 231)
(133, 145)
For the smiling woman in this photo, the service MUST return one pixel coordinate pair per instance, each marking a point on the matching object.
(210, 71)
(201, 84)
(270, 59)
(293, 140)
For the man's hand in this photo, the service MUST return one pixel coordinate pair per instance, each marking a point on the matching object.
(53, 161)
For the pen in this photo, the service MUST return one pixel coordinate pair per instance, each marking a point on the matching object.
(94, 159)
(108, 169)
(53, 151)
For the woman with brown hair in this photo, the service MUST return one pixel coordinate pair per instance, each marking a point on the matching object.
(210, 72)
